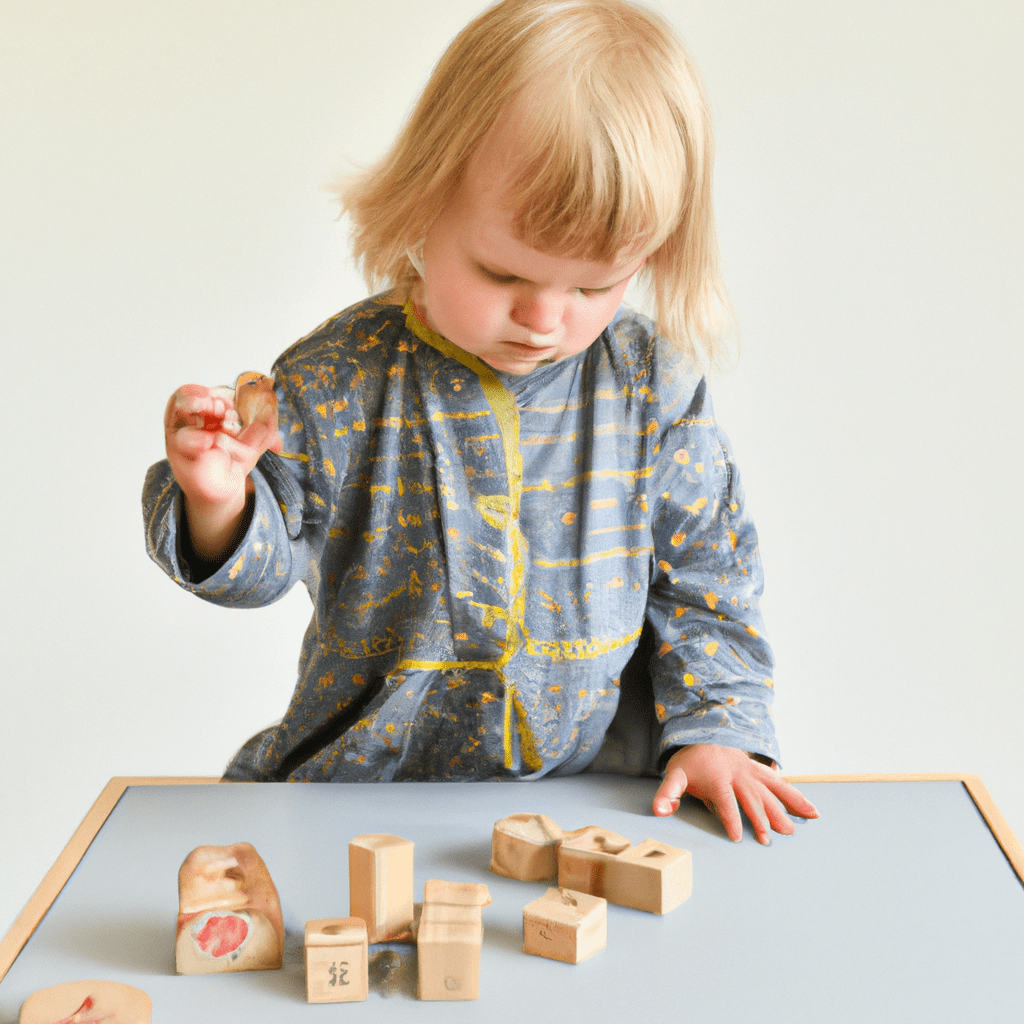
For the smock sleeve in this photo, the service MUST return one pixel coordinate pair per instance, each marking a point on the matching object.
(711, 667)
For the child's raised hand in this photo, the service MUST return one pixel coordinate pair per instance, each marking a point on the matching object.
(212, 450)
(727, 780)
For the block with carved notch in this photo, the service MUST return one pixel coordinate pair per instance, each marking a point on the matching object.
(565, 925)
(525, 846)
(86, 1001)
(380, 885)
(651, 876)
(585, 857)
(337, 962)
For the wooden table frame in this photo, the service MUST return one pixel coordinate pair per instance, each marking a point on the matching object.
(57, 877)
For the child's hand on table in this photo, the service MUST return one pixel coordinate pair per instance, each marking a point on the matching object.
(727, 779)
(212, 447)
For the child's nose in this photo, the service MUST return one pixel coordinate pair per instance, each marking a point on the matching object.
(539, 312)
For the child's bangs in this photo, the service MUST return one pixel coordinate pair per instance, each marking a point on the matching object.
(601, 170)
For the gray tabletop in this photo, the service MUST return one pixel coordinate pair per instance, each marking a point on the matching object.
(896, 905)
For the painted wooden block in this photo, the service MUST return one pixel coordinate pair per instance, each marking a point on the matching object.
(86, 1002)
(652, 876)
(255, 398)
(565, 925)
(525, 846)
(337, 961)
(449, 938)
(380, 888)
(229, 914)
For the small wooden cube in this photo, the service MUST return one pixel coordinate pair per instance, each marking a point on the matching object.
(458, 894)
(525, 846)
(380, 887)
(565, 925)
(652, 876)
(87, 1001)
(337, 961)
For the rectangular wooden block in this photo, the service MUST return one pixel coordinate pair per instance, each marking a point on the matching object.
(652, 876)
(525, 846)
(380, 888)
(448, 950)
(337, 961)
(565, 925)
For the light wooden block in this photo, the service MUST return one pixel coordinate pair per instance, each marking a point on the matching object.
(565, 925)
(448, 952)
(652, 876)
(380, 886)
(337, 960)
(229, 914)
(449, 938)
(87, 1001)
(584, 857)
(525, 846)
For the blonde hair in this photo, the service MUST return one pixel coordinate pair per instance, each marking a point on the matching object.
(615, 154)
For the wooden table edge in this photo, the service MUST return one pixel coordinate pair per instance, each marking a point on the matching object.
(57, 877)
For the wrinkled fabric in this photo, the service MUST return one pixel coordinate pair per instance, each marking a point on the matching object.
(482, 552)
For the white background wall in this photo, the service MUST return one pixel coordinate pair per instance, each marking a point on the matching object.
(162, 219)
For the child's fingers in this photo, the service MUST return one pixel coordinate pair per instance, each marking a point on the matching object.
(724, 804)
(670, 792)
(791, 798)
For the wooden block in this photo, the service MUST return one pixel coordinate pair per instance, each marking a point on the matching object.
(449, 938)
(255, 398)
(459, 894)
(448, 952)
(229, 914)
(584, 857)
(82, 1002)
(653, 876)
(337, 960)
(380, 888)
(565, 925)
(525, 846)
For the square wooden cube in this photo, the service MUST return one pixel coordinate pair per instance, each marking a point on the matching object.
(651, 876)
(585, 857)
(380, 889)
(565, 925)
(337, 961)
(525, 846)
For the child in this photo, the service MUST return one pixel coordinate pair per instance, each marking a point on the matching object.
(496, 482)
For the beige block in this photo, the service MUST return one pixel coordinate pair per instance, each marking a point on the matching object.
(229, 914)
(448, 952)
(337, 960)
(460, 894)
(584, 857)
(565, 925)
(107, 1001)
(652, 876)
(380, 886)
(525, 846)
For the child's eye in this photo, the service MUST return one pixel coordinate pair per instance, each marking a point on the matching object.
(595, 291)
(498, 278)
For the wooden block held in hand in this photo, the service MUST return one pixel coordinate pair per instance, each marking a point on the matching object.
(337, 960)
(229, 914)
(525, 846)
(107, 1001)
(380, 887)
(565, 925)
(255, 398)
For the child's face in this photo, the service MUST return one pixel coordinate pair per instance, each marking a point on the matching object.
(510, 305)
